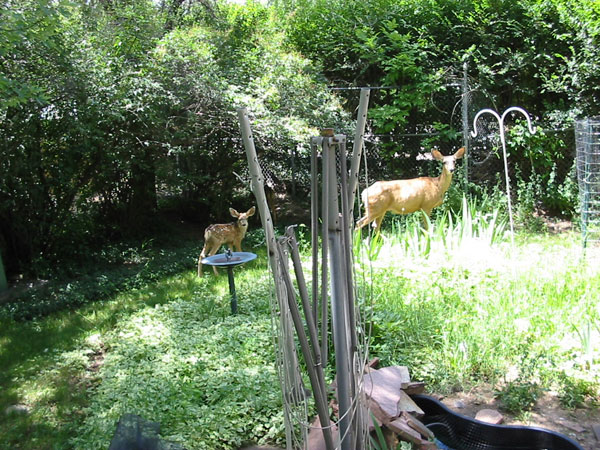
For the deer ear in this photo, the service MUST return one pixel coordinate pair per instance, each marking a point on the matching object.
(437, 155)
(251, 211)
(233, 212)
(459, 154)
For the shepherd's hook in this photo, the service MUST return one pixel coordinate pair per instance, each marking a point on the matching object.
(500, 120)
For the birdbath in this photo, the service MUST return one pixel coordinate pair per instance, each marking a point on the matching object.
(229, 260)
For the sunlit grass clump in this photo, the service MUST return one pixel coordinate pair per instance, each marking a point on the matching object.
(460, 305)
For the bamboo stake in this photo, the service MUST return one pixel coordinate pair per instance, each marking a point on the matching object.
(314, 227)
(315, 375)
(357, 146)
(303, 291)
(284, 296)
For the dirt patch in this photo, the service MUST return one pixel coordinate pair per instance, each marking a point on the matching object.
(548, 413)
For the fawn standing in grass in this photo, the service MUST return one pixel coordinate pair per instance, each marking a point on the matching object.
(225, 233)
(408, 196)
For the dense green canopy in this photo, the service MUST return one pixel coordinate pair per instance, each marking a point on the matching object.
(111, 110)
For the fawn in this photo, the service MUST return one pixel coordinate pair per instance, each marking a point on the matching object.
(225, 233)
(408, 196)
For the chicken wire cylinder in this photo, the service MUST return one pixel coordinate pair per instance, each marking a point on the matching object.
(587, 137)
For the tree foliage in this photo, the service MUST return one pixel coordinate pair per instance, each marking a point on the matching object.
(113, 110)
(110, 108)
(538, 54)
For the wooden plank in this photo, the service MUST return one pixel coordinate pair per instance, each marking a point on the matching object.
(406, 404)
(406, 433)
(415, 387)
(418, 426)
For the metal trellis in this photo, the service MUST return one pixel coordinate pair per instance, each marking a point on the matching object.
(587, 138)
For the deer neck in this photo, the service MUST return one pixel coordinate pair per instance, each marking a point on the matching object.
(240, 227)
(444, 180)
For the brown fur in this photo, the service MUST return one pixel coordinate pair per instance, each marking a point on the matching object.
(408, 196)
(219, 234)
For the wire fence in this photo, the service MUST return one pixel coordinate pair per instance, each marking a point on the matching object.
(446, 125)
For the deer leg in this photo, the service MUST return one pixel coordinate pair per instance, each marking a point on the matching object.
(377, 222)
(214, 252)
(200, 258)
(364, 221)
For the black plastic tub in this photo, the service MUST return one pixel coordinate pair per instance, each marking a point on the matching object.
(457, 432)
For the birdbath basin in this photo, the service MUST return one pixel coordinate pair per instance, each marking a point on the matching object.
(229, 260)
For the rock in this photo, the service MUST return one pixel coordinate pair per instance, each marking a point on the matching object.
(384, 387)
(596, 429)
(571, 425)
(316, 441)
(489, 416)
(17, 410)
(459, 404)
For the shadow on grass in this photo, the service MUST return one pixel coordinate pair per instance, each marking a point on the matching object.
(31, 354)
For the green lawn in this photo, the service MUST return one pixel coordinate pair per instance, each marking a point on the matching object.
(456, 310)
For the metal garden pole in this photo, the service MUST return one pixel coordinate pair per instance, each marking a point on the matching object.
(500, 120)
(232, 290)
(357, 146)
(465, 121)
(347, 257)
(339, 297)
(314, 226)
(346, 241)
(320, 141)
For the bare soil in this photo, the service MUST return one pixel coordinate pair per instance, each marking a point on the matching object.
(577, 424)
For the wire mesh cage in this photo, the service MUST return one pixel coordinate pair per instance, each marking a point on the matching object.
(587, 137)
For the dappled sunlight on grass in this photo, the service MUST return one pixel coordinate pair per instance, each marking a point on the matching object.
(197, 372)
(170, 351)
(470, 311)
(456, 308)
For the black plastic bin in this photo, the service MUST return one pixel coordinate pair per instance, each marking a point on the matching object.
(458, 432)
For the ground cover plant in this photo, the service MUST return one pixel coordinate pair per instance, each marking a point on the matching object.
(169, 351)
(459, 306)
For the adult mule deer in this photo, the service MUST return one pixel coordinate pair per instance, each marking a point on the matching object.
(408, 196)
(225, 233)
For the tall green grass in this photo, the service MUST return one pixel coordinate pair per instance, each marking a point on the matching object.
(459, 305)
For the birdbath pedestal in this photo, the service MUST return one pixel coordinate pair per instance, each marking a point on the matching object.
(229, 260)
